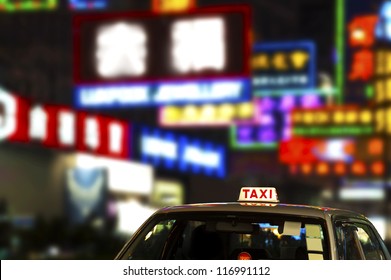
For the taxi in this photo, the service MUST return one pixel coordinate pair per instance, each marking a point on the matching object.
(256, 227)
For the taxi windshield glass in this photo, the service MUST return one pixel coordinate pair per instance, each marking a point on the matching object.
(232, 236)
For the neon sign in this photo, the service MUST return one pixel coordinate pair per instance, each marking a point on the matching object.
(286, 65)
(273, 121)
(374, 169)
(361, 31)
(169, 6)
(162, 94)
(61, 127)
(383, 27)
(177, 152)
(11, 6)
(361, 37)
(307, 150)
(87, 4)
(207, 115)
(332, 121)
(205, 51)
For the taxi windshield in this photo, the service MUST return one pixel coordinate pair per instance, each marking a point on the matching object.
(233, 236)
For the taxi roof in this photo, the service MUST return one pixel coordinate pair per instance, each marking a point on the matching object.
(271, 208)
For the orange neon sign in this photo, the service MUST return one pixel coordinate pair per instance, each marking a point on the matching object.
(361, 31)
(169, 6)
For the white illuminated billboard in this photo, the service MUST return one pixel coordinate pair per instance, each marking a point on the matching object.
(124, 176)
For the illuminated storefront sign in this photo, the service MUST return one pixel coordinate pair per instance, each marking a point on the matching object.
(164, 94)
(87, 4)
(12, 5)
(360, 169)
(181, 153)
(336, 156)
(361, 31)
(287, 65)
(61, 127)
(383, 27)
(207, 115)
(361, 38)
(169, 6)
(307, 150)
(383, 120)
(273, 121)
(332, 121)
(199, 56)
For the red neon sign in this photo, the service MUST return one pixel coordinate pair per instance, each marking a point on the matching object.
(361, 31)
(62, 127)
(362, 65)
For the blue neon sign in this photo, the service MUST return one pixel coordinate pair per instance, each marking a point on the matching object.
(178, 152)
(383, 28)
(170, 93)
(87, 4)
(285, 65)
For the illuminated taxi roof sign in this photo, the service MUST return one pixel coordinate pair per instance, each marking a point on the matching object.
(258, 194)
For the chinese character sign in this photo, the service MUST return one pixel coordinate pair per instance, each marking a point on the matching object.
(361, 39)
(61, 127)
(128, 47)
(289, 65)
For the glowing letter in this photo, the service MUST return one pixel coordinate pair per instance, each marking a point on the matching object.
(121, 50)
(38, 123)
(198, 45)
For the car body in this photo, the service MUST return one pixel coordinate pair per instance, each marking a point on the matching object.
(255, 229)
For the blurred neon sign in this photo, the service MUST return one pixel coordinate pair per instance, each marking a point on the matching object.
(307, 150)
(61, 127)
(373, 169)
(207, 115)
(169, 6)
(285, 65)
(332, 121)
(12, 6)
(383, 27)
(361, 37)
(274, 123)
(361, 31)
(205, 51)
(162, 94)
(177, 152)
(87, 4)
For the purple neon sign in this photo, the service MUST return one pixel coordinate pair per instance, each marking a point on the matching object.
(274, 119)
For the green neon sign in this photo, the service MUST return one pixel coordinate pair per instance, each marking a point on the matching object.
(27, 5)
(281, 92)
(332, 131)
(340, 48)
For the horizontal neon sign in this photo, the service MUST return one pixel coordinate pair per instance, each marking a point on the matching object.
(172, 151)
(87, 4)
(207, 115)
(298, 150)
(332, 121)
(162, 94)
(119, 48)
(11, 6)
(361, 169)
(284, 65)
(62, 127)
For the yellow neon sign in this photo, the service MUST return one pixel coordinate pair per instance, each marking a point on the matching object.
(222, 114)
(347, 116)
(281, 61)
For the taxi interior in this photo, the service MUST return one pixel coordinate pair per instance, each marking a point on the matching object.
(214, 236)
